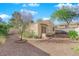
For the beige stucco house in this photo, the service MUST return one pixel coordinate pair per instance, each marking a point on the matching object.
(45, 26)
(70, 27)
(42, 27)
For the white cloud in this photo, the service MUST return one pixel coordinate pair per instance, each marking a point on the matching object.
(78, 4)
(33, 12)
(30, 11)
(24, 5)
(5, 17)
(46, 18)
(33, 4)
(60, 5)
(69, 4)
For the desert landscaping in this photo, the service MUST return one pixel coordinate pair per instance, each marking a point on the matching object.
(27, 34)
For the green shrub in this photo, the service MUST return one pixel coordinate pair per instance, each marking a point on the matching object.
(33, 34)
(73, 34)
(29, 34)
(26, 34)
(3, 29)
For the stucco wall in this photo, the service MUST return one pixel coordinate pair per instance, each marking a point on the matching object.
(34, 27)
(49, 26)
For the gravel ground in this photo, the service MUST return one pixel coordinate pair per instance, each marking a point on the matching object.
(53, 47)
(11, 48)
(56, 47)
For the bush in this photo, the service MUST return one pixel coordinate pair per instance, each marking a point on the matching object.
(29, 34)
(3, 29)
(26, 34)
(32, 34)
(2, 39)
(73, 34)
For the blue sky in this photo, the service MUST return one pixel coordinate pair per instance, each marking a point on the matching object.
(40, 10)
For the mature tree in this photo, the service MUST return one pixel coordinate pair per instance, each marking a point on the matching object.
(21, 21)
(65, 14)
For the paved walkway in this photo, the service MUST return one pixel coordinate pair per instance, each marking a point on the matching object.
(11, 48)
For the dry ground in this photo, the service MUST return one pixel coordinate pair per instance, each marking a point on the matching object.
(56, 47)
(11, 48)
(53, 47)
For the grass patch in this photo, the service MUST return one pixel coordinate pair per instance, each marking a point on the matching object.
(26, 34)
(76, 49)
(2, 39)
(29, 34)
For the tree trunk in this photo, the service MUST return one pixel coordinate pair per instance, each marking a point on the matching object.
(67, 26)
(22, 31)
(21, 35)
